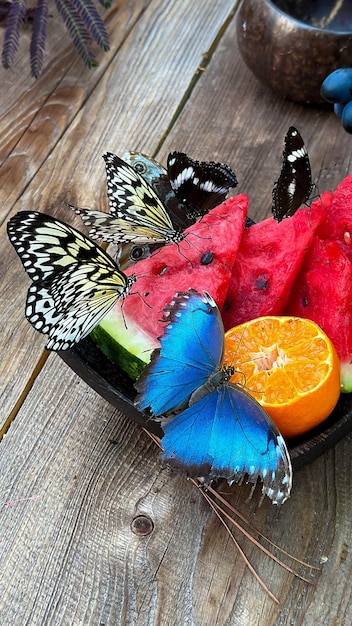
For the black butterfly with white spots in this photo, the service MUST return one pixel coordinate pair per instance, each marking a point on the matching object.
(74, 282)
(199, 185)
(139, 217)
(294, 185)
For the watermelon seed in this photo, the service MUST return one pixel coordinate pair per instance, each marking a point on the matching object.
(207, 258)
(262, 283)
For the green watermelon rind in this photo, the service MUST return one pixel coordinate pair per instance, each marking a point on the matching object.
(346, 377)
(128, 333)
(124, 343)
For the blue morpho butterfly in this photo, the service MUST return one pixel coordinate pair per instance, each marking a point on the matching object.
(219, 430)
(294, 185)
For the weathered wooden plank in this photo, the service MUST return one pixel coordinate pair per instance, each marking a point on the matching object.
(232, 117)
(35, 113)
(146, 80)
(68, 500)
(132, 106)
(248, 124)
(69, 556)
(71, 550)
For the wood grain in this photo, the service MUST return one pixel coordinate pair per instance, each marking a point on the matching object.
(68, 554)
(248, 126)
(69, 496)
(119, 109)
(131, 107)
(45, 107)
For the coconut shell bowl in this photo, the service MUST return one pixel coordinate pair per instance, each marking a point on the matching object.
(292, 45)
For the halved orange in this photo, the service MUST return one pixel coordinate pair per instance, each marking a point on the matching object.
(289, 366)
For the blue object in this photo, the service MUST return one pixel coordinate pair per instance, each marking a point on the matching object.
(337, 88)
(338, 109)
(220, 431)
(346, 117)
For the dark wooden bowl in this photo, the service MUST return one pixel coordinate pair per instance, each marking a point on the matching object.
(105, 378)
(292, 45)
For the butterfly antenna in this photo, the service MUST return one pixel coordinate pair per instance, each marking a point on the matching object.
(219, 512)
(153, 437)
(137, 293)
(242, 517)
(193, 245)
(195, 225)
(123, 316)
(222, 514)
(181, 253)
(263, 548)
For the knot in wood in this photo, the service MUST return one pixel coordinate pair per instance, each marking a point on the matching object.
(142, 525)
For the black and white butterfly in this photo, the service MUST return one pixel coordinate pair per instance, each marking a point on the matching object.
(145, 210)
(156, 175)
(137, 215)
(75, 282)
(199, 185)
(294, 185)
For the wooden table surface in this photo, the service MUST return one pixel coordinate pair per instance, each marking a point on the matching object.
(173, 80)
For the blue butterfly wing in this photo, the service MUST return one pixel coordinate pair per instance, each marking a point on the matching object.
(191, 350)
(227, 434)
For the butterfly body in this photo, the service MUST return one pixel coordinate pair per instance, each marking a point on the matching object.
(74, 282)
(219, 430)
(148, 207)
(294, 185)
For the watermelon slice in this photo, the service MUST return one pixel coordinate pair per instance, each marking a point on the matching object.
(203, 261)
(268, 260)
(337, 225)
(323, 293)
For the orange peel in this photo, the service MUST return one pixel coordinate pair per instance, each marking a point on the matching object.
(290, 366)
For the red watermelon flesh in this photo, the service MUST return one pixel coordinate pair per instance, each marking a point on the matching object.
(203, 261)
(338, 223)
(323, 293)
(268, 260)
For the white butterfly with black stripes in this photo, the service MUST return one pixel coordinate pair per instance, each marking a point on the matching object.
(75, 282)
(137, 215)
